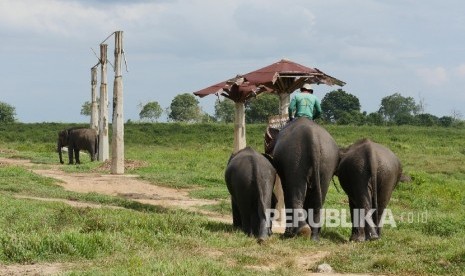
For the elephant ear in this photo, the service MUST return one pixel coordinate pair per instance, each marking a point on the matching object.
(63, 135)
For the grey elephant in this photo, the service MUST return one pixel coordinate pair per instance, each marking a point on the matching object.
(250, 177)
(306, 157)
(368, 173)
(78, 139)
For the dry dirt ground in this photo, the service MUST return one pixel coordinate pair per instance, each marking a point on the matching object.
(130, 187)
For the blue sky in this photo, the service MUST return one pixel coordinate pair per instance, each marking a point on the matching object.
(416, 48)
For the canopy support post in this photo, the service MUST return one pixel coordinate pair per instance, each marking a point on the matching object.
(284, 101)
(239, 127)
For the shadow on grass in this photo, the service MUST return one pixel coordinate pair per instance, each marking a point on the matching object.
(333, 236)
(325, 234)
(141, 207)
(216, 226)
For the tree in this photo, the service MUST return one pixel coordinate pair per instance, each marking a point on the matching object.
(351, 118)
(262, 107)
(398, 109)
(224, 110)
(374, 118)
(7, 113)
(338, 104)
(151, 111)
(426, 119)
(185, 108)
(446, 121)
(86, 108)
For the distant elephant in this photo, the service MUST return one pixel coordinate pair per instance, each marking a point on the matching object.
(368, 173)
(306, 157)
(250, 177)
(78, 139)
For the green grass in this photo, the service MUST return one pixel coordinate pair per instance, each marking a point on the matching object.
(142, 239)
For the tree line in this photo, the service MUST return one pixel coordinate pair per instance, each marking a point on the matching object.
(339, 107)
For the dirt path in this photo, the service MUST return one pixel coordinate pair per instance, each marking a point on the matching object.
(127, 186)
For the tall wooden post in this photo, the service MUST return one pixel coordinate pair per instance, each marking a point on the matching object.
(239, 127)
(117, 141)
(284, 101)
(94, 106)
(103, 149)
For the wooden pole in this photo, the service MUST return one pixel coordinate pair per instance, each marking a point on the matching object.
(94, 106)
(117, 141)
(284, 101)
(239, 127)
(103, 149)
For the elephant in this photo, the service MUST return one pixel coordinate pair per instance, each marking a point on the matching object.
(306, 157)
(78, 139)
(250, 178)
(368, 173)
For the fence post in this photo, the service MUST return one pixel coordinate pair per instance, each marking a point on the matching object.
(103, 150)
(117, 141)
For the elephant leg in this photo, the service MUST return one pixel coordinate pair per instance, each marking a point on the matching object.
(246, 225)
(236, 215)
(381, 208)
(245, 211)
(370, 226)
(92, 155)
(258, 224)
(314, 203)
(294, 197)
(360, 203)
(384, 195)
(60, 154)
(70, 155)
(76, 154)
(358, 232)
(263, 229)
(313, 206)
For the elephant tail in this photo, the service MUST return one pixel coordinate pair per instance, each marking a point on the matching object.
(315, 173)
(373, 162)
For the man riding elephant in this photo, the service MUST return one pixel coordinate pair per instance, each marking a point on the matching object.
(305, 104)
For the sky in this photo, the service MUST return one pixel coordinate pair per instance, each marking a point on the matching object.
(415, 48)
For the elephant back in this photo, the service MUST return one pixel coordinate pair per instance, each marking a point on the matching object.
(304, 136)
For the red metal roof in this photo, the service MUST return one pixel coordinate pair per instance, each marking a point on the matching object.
(283, 76)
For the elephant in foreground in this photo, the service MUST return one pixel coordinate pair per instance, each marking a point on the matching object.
(250, 177)
(368, 173)
(78, 139)
(306, 157)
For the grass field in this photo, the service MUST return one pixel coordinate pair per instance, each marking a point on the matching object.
(148, 240)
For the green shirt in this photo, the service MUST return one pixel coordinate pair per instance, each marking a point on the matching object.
(305, 105)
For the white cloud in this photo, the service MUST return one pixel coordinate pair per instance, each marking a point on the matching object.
(71, 18)
(460, 70)
(433, 76)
